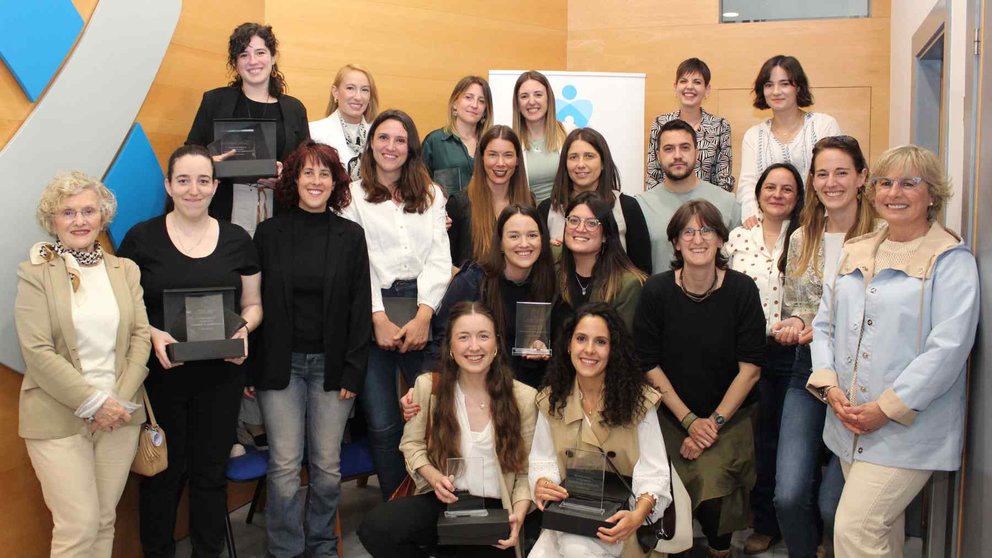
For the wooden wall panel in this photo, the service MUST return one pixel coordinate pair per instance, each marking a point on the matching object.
(654, 36)
(417, 50)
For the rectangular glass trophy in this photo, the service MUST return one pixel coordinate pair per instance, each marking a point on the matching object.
(591, 497)
(796, 292)
(202, 321)
(402, 309)
(468, 521)
(449, 179)
(533, 329)
(253, 142)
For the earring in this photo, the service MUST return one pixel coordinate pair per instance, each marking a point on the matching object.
(452, 355)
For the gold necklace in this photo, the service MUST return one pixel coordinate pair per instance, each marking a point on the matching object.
(694, 296)
(182, 246)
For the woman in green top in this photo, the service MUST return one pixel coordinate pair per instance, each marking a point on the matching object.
(542, 135)
(449, 151)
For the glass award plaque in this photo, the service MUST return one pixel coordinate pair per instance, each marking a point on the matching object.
(253, 142)
(202, 321)
(533, 329)
(402, 309)
(468, 521)
(592, 498)
(449, 179)
(797, 293)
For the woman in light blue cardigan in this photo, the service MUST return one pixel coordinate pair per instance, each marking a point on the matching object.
(891, 340)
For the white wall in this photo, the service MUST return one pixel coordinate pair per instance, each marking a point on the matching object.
(906, 17)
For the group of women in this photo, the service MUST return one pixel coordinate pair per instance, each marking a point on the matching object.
(364, 217)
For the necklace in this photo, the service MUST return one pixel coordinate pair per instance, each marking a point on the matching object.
(468, 397)
(582, 287)
(595, 407)
(182, 245)
(698, 297)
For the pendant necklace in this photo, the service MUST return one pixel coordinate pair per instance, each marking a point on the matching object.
(582, 287)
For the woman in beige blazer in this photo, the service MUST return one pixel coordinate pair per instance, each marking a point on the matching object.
(84, 336)
(476, 392)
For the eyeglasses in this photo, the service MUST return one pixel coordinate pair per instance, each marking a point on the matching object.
(906, 183)
(574, 221)
(69, 215)
(689, 233)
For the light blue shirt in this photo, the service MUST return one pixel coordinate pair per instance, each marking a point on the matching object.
(909, 333)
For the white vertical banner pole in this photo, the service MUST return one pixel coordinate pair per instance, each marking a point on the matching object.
(612, 103)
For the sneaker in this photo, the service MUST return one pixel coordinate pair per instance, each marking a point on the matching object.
(237, 450)
(756, 543)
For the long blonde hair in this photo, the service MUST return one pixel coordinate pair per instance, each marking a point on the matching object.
(554, 132)
(814, 217)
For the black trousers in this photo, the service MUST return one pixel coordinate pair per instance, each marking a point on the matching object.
(200, 430)
(407, 527)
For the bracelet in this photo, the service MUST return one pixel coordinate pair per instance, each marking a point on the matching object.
(824, 391)
(688, 419)
(647, 496)
(247, 331)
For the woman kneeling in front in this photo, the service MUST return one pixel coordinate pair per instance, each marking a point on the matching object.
(475, 394)
(595, 399)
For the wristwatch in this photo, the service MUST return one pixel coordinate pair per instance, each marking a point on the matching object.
(719, 419)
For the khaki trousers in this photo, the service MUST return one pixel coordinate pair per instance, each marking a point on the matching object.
(870, 518)
(82, 478)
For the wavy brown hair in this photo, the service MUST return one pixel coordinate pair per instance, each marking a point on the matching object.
(414, 188)
(445, 439)
(237, 43)
(460, 88)
(480, 197)
(310, 152)
(623, 391)
(797, 76)
(608, 187)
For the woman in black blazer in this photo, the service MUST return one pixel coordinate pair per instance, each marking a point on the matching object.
(313, 349)
(258, 91)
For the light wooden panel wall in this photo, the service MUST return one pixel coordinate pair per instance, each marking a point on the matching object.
(416, 50)
(847, 61)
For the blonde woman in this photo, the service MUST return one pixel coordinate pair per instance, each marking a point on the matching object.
(449, 152)
(354, 103)
(540, 132)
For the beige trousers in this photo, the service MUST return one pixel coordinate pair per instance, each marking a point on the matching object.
(82, 478)
(870, 519)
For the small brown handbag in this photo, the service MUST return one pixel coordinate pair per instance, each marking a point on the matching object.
(152, 456)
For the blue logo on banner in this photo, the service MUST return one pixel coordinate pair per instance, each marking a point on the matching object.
(577, 112)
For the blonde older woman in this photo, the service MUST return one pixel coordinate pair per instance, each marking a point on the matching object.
(891, 339)
(84, 336)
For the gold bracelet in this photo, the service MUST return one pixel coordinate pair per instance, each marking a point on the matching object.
(649, 496)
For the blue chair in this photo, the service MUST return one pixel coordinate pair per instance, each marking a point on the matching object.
(356, 461)
(252, 466)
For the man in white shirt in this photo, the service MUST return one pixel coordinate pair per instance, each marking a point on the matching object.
(677, 158)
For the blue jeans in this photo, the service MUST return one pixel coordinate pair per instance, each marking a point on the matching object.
(776, 375)
(380, 402)
(303, 417)
(800, 497)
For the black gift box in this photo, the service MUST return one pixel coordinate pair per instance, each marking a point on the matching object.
(474, 530)
(202, 349)
(587, 522)
(255, 142)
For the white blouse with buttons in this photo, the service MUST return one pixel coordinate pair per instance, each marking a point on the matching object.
(748, 254)
(404, 246)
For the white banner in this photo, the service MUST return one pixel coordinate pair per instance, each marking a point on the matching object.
(611, 103)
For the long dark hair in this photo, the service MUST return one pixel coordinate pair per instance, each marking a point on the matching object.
(542, 275)
(609, 178)
(237, 43)
(445, 438)
(612, 262)
(623, 392)
(414, 186)
(796, 209)
(288, 191)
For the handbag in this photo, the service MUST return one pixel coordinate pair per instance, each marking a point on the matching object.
(152, 456)
(408, 487)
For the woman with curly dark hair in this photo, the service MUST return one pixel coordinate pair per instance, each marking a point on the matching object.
(594, 398)
(313, 348)
(477, 411)
(257, 91)
(700, 337)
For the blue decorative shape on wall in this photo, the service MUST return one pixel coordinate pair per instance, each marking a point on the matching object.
(136, 180)
(577, 112)
(35, 38)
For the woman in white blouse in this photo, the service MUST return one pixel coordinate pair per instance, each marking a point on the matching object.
(354, 101)
(402, 213)
(759, 253)
(788, 136)
(596, 399)
(476, 411)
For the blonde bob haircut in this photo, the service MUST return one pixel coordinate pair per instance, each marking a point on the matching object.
(461, 87)
(372, 110)
(917, 161)
(72, 184)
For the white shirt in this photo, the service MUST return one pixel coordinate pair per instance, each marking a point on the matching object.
(404, 245)
(833, 246)
(749, 255)
(761, 149)
(95, 317)
(476, 447)
(651, 473)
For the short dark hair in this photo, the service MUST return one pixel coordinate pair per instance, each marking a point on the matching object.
(237, 43)
(677, 124)
(792, 67)
(693, 66)
(709, 216)
(288, 190)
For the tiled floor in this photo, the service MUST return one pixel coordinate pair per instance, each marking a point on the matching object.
(356, 501)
